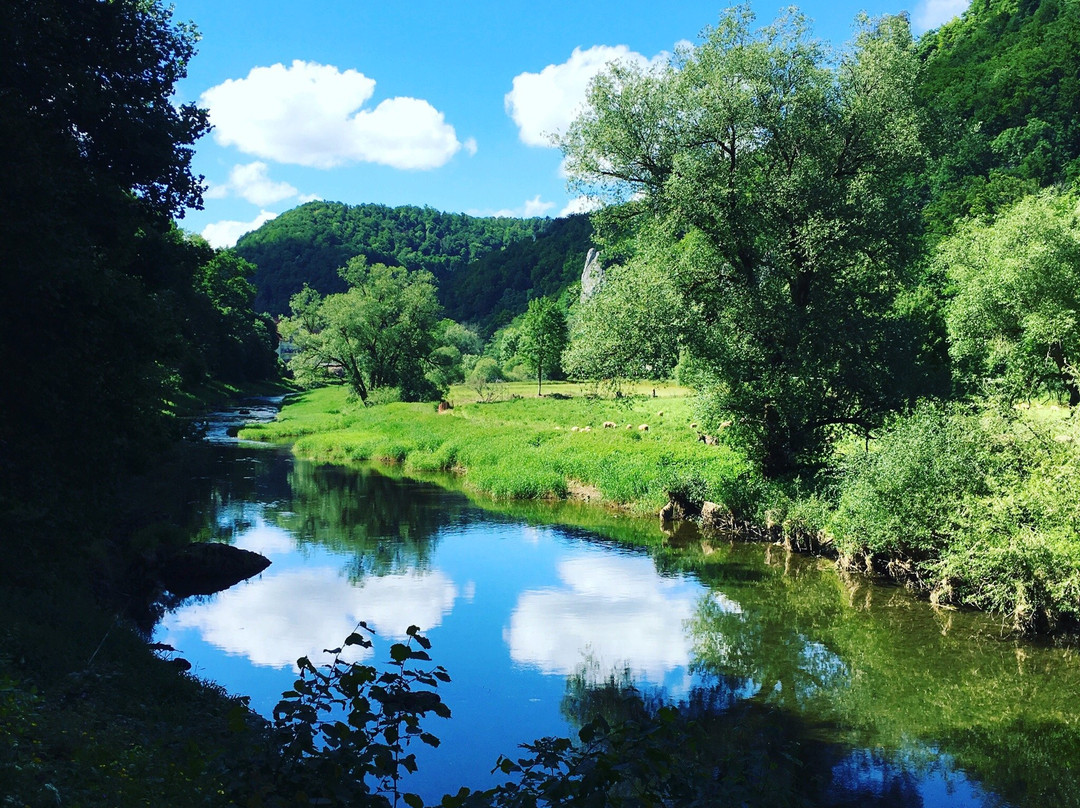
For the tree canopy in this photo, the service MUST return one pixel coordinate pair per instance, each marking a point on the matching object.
(1004, 79)
(1014, 320)
(95, 160)
(378, 334)
(630, 328)
(783, 188)
(543, 338)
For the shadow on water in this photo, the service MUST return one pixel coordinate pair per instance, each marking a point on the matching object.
(717, 747)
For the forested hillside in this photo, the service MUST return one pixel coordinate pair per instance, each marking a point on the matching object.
(310, 243)
(1003, 81)
(493, 290)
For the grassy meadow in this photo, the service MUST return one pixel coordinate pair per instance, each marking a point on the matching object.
(520, 446)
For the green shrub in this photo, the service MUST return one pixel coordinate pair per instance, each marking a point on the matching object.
(980, 509)
(911, 493)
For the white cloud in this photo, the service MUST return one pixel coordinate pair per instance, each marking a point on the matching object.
(527, 209)
(581, 204)
(470, 146)
(543, 104)
(934, 13)
(278, 619)
(535, 207)
(228, 232)
(612, 611)
(311, 114)
(252, 182)
(308, 198)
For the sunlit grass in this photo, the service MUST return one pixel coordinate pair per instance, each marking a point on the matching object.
(522, 446)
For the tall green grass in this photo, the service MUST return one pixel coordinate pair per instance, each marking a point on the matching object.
(525, 448)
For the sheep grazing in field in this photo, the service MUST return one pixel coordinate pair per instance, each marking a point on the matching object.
(725, 424)
(660, 414)
(708, 440)
(609, 424)
(643, 428)
(693, 426)
(586, 429)
(575, 429)
(629, 426)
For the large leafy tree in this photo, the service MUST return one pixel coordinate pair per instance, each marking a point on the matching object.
(781, 184)
(1014, 321)
(95, 160)
(628, 329)
(380, 333)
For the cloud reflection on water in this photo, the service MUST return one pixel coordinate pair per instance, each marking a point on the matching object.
(279, 618)
(612, 612)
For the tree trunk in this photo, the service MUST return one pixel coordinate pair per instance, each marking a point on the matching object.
(1065, 371)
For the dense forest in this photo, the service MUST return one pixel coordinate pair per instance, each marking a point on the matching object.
(493, 290)
(310, 243)
(1003, 80)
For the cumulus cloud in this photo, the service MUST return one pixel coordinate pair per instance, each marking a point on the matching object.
(537, 207)
(529, 208)
(280, 618)
(581, 204)
(612, 611)
(933, 13)
(228, 232)
(543, 104)
(315, 115)
(252, 182)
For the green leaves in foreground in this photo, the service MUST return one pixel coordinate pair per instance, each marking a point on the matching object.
(345, 730)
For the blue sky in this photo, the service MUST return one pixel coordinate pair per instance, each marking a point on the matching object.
(444, 104)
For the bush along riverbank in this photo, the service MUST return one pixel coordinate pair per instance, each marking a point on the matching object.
(971, 506)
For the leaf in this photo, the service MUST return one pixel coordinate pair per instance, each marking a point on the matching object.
(506, 766)
(357, 639)
(430, 739)
(413, 800)
(399, 652)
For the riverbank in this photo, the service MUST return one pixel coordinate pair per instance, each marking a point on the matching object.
(90, 715)
(629, 453)
(969, 507)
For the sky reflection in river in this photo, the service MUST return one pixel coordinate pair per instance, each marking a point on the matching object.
(539, 625)
(612, 611)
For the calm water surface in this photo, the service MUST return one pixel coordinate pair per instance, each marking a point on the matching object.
(874, 697)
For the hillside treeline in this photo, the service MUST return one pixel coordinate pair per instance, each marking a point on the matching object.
(308, 244)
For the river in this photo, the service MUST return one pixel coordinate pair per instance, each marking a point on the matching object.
(858, 693)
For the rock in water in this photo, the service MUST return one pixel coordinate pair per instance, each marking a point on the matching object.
(207, 567)
(592, 277)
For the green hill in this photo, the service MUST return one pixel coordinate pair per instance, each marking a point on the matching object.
(487, 267)
(307, 244)
(1004, 78)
